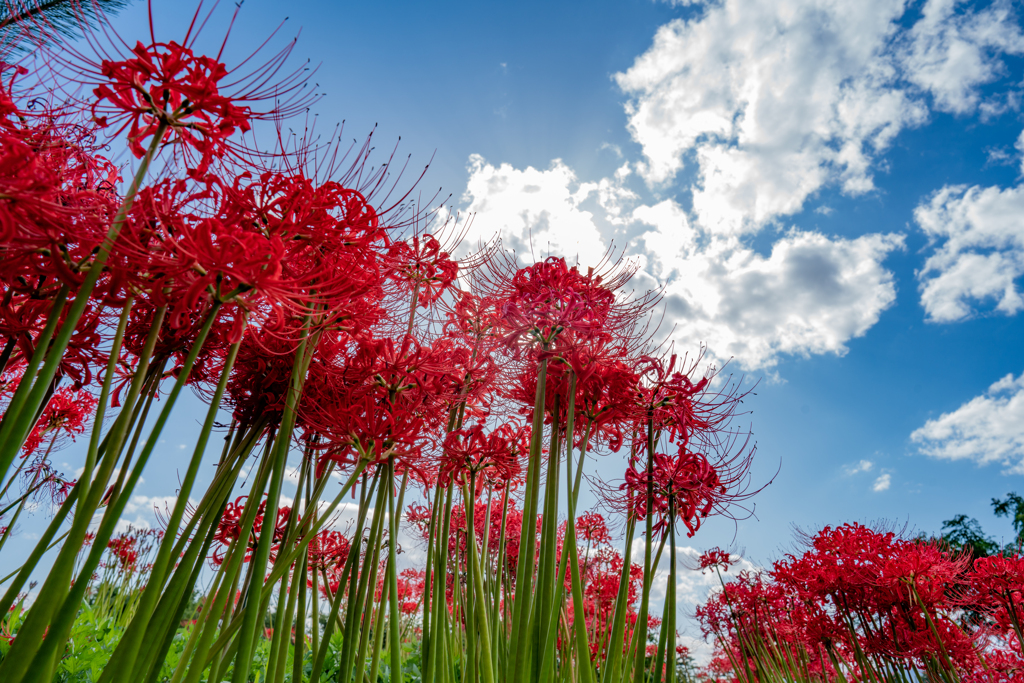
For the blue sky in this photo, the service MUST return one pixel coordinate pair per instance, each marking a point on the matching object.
(830, 193)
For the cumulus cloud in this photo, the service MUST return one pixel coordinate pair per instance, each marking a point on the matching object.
(803, 94)
(951, 52)
(988, 428)
(979, 255)
(882, 483)
(534, 212)
(811, 295)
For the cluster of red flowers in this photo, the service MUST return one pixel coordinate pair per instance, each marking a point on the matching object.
(130, 547)
(873, 600)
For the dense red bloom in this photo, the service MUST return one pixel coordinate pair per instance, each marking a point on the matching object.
(328, 549)
(410, 590)
(167, 83)
(853, 590)
(472, 453)
(548, 299)
(65, 416)
(685, 485)
(419, 264)
(123, 548)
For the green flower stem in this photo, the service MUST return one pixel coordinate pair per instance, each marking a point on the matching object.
(519, 641)
(611, 672)
(640, 631)
(227, 577)
(55, 586)
(169, 620)
(350, 575)
(286, 611)
(359, 619)
(168, 613)
(395, 638)
(60, 628)
(12, 438)
(636, 645)
(231, 568)
(670, 595)
(366, 584)
(547, 608)
(378, 634)
(659, 658)
(247, 636)
(428, 577)
(278, 630)
(101, 406)
(477, 589)
(438, 625)
(120, 668)
(298, 654)
(197, 630)
(17, 403)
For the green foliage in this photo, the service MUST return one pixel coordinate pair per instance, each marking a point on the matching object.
(1012, 507)
(24, 22)
(964, 533)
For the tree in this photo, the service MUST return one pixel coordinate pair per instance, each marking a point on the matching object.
(23, 21)
(964, 533)
(1012, 507)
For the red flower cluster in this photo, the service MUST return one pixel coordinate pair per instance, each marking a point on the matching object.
(875, 599)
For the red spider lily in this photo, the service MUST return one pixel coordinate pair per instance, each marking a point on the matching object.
(384, 402)
(686, 486)
(410, 590)
(229, 530)
(166, 83)
(123, 548)
(56, 201)
(419, 265)
(328, 549)
(715, 558)
(550, 298)
(200, 101)
(995, 586)
(65, 416)
(591, 527)
(470, 452)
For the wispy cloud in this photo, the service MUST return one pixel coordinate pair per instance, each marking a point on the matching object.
(862, 466)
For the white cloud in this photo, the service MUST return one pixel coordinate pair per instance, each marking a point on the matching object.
(800, 94)
(951, 52)
(535, 212)
(862, 466)
(775, 99)
(980, 255)
(811, 295)
(882, 483)
(1019, 146)
(988, 428)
